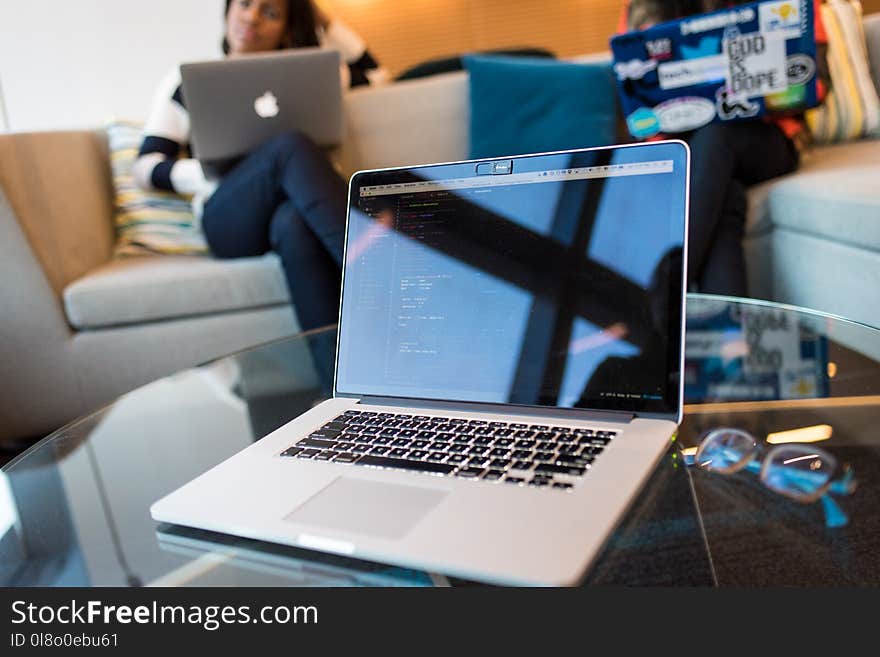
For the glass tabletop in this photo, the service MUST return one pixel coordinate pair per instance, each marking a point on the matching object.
(74, 509)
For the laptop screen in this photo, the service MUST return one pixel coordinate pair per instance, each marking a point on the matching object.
(548, 280)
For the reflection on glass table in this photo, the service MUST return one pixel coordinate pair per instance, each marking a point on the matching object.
(74, 509)
(800, 471)
(789, 378)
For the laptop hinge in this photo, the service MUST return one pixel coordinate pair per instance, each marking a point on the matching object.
(503, 409)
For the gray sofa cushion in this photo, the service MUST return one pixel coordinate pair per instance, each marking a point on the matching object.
(156, 288)
(823, 167)
(836, 278)
(841, 206)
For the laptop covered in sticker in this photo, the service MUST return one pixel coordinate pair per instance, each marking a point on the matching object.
(731, 65)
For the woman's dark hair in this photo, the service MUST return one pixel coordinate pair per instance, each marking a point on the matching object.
(660, 11)
(301, 25)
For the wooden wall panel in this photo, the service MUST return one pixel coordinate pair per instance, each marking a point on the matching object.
(402, 33)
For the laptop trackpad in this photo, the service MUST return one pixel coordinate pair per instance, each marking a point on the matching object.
(368, 507)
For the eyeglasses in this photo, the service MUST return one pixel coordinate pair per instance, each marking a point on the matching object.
(799, 471)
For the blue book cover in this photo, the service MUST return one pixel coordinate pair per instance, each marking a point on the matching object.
(731, 65)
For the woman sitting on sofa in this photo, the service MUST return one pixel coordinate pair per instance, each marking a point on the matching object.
(284, 196)
(726, 159)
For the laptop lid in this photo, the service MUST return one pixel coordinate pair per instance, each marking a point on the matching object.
(731, 65)
(552, 280)
(237, 104)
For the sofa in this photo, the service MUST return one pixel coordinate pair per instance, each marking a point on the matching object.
(80, 328)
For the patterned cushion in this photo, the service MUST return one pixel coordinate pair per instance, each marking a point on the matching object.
(147, 222)
(852, 108)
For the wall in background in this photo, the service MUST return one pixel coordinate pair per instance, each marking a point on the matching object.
(67, 64)
(403, 33)
(76, 64)
(4, 124)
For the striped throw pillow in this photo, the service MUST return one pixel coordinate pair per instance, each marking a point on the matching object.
(147, 222)
(852, 109)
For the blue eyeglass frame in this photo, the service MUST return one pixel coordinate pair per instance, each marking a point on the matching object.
(842, 480)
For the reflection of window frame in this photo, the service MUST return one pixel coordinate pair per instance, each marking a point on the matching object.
(523, 263)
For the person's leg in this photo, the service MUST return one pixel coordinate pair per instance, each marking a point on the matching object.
(761, 152)
(286, 197)
(313, 277)
(318, 193)
(314, 280)
(237, 216)
(749, 152)
(712, 167)
(724, 271)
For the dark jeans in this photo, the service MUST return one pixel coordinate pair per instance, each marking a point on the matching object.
(725, 159)
(285, 197)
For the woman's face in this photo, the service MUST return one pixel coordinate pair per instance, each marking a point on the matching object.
(255, 25)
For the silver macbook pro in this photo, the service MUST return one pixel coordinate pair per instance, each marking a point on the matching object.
(508, 371)
(236, 104)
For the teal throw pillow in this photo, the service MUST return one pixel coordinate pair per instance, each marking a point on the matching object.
(534, 105)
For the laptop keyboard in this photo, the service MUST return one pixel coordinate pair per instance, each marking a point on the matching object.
(514, 453)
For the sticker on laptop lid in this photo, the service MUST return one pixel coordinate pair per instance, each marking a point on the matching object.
(634, 69)
(793, 97)
(801, 69)
(782, 17)
(643, 123)
(691, 72)
(733, 107)
(684, 114)
(757, 65)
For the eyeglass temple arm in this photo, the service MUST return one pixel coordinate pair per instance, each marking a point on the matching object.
(846, 484)
(834, 515)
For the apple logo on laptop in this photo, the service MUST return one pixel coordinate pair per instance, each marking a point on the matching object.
(266, 106)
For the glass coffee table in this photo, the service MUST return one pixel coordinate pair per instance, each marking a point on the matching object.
(74, 509)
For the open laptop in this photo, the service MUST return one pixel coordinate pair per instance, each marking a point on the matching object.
(238, 103)
(508, 371)
(730, 65)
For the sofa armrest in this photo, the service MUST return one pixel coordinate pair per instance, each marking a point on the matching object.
(38, 389)
(60, 189)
